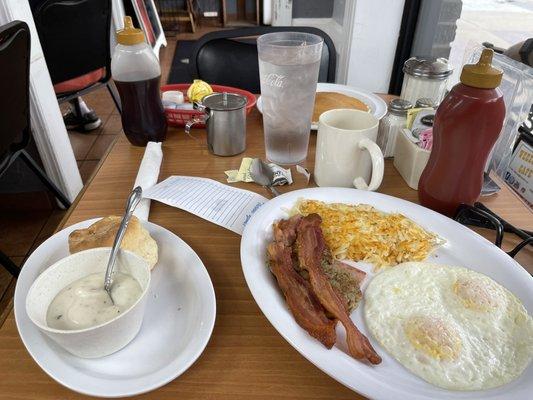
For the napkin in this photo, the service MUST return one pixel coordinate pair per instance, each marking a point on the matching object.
(147, 176)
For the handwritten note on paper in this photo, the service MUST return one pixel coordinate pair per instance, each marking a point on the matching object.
(213, 201)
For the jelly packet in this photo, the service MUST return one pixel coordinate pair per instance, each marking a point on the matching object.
(409, 135)
(243, 174)
(419, 119)
(282, 176)
(305, 172)
(426, 139)
(231, 176)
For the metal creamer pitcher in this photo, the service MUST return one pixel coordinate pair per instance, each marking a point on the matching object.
(225, 120)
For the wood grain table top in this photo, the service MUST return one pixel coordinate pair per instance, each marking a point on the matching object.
(246, 358)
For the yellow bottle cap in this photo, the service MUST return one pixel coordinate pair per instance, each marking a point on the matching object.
(130, 35)
(482, 75)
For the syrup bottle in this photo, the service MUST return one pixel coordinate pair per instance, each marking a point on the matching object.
(137, 74)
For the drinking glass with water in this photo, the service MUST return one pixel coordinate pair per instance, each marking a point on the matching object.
(288, 69)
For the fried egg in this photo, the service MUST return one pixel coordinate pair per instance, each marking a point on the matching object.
(453, 327)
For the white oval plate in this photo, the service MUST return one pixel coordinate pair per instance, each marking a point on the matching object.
(179, 319)
(389, 380)
(377, 105)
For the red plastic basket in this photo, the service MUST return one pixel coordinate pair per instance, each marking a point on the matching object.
(180, 117)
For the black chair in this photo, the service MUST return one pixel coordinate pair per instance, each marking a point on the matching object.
(74, 35)
(15, 110)
(229, 58)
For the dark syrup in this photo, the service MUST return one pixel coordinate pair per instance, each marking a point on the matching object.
(143, 115)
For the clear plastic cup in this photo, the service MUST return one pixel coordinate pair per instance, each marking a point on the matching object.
(288, 67)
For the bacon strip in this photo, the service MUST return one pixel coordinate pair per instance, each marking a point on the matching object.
(310, 247)
(285, 230)
(304, 305)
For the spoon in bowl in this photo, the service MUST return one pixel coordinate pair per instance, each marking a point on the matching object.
(133, 199)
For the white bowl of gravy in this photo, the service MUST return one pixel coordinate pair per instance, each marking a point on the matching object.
(67, 302)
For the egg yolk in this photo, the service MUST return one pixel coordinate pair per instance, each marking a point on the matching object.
(475, 294)
(433, 337)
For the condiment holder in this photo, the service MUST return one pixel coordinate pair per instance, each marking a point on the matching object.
(409, 159)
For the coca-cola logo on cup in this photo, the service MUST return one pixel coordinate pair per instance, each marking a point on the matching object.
(275, 80)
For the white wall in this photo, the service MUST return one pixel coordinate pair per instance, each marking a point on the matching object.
(365, 34)
(373, 43)
(339, 28)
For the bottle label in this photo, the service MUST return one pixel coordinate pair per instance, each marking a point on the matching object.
(519, 174)
(275, 80)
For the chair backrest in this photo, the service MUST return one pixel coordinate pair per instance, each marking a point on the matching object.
(74, 35)
(225, 58)
(14, 90)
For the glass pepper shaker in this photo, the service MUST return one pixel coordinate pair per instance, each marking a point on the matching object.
(391, 125)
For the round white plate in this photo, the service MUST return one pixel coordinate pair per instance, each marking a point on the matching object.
(377, 105)
(389, 380)
(179, 319)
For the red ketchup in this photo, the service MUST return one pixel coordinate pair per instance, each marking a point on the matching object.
(467, 124)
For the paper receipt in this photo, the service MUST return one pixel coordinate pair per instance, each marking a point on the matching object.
(213, 201)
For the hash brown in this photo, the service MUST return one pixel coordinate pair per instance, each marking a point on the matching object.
(362, 233)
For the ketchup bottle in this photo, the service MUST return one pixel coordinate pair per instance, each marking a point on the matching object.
(467, 124)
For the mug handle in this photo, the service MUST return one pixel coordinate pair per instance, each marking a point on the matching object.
(195, 120)
(378, 165)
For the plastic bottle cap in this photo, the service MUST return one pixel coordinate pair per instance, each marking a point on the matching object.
(482, 75)
(130, 35)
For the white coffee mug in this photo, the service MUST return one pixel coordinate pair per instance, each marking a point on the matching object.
(346, 151)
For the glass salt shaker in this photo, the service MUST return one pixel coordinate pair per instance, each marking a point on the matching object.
(425, 77)
(391, 125)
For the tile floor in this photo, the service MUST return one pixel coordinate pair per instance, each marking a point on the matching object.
(89, 148)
